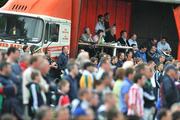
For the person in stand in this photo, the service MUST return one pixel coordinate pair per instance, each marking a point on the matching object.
(106, 22)
(121, 59)
(99, 37)
(63, 58)
(135, 101)
(132, 40)
(164, 47)
(123, 38)
(111, 35)
(152, 42)
(168, 91)
(37, 96)
(142, 53)
(100, 24)
(152, 54)
(86, 36)
(71, 78)
(129, 55)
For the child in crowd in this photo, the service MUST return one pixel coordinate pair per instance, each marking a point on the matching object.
(63, 98)
(37, 97)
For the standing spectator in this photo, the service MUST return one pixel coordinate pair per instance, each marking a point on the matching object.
(142, 53)
(86, 36)
(24, 61)
(71, 78)
(163, 46)
(44, 113)
(87, 79)
(100, 24)
(123, 38)
(111, 35)
(63, 58)
(126, 85)
(136, 102)
(106, 22)
(37, 96)
(10, 102)
(132, 40)
(63, 114)
(120, 73)
(149, 97)
(169, 92)
(63, 98)
(99, 37)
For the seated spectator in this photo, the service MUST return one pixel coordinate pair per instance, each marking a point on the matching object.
(87, 79)
(100, 24)
(99, 37)
(63, 58)
(37, 96)
(129, 55)
(163, 46)
(114, 61)
(111, 35)
(106, 22)
(135, 101)
(123, 38)
(121, 59)
(120, 73)
(161, 59)
(62, 97)
(152, 54)
(132, 40)
(152, 42)
(142, 53)
(86, 36)
(164, 114)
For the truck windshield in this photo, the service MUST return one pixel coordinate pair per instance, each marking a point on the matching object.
(20, 28)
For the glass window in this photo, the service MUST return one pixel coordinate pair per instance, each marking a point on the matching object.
(16, 27)
(54, 32)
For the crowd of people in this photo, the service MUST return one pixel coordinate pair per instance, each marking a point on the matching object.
(142, 83)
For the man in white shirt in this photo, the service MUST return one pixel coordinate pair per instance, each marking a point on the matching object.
(100, 23)
(132, 40)
(163, 46)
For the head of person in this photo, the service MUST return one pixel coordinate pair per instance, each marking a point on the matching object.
(5, 68)
(100, 18)
(63, 114)
(35, 76)
(160, 67)
(121, 56)
(64, 86)
(129, 73)
(176, 115)
(124, 34)
(44, 67)
(154, 41)
(114, 114)
(148, 72)
(85, 94)
(87, 30)
(13, 53)
(113, 30)
(143, 48)
(106, 16)
(26, 48)
(171, 71)
(153, 49)
(94, 60)
(163, 40)
(140, 68)
(105, 64)
(110, 100)
(89, 67)
(151, 64)
(73, 68)
(162, 59)
(94, 101)
(44, 113)
(65, 50)
(100, 33)
(114, 60)
(99, 85)
(120, 74)
(129, 54)
(164, 114)
(82, 58)
(8, 117)
(35, 61)
(106, 78)
(25, 58)
(139, 79)
(133, 36)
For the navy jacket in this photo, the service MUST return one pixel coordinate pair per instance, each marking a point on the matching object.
(62, 61)
(169, 92)
(73, 87)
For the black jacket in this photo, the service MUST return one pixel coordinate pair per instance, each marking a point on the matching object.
(123, 43)
(109, 37)
(62, 61)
